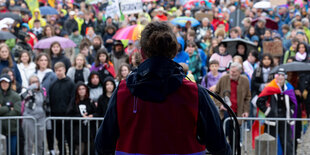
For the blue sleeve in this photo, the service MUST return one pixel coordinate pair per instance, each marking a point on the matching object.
(17, 74)
(209, 127)
(108, 133)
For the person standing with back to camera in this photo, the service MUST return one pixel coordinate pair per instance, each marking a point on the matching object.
(156, 111)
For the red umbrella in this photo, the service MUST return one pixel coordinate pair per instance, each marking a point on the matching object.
(271, 24)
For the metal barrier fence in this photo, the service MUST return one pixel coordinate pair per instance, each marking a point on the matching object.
(13, 135)
(278, 128)
(77, 132)
(75, 135)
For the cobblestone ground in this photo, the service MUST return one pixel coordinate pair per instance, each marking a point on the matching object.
(302, 148)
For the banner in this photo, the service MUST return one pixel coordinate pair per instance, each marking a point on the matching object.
(131, 6)
(32, 4)
(278, 2)
(113, 9)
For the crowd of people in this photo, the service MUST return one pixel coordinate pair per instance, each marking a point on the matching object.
(79, 81)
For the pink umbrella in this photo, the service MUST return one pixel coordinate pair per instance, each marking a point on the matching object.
(46, 43)
(131, 33)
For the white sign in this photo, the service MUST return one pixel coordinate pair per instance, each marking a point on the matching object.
(113, 9)
(131, 6)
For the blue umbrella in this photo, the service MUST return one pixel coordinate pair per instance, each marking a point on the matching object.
(47, 10)
(182, 21)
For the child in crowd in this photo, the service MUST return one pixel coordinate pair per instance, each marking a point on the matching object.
(210, 80)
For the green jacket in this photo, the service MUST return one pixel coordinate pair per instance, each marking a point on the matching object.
(288, 53)
(6, 111)
(194, 65)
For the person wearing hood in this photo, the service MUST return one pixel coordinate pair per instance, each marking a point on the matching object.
(60, 95)
(223, 57)
(156, 107)
(118, 55)
(10, 105)
(36, 15)
(82, 106)
(95, 87)
(57, 55)
(22, 44)
(181, 56)
(102, 106)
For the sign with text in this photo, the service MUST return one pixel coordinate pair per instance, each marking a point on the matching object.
(275, 48)
(113, 9)
(278, 2)
(131, 6)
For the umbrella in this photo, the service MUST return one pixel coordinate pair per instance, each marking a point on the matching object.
(46, 43)
(262, 5)
(21, 9)
(182, 21)
(131, 32)
(191, 3)
(47, 10)
(14, 16)
(269, 23)
(293, 67)
(232, 45)
(6, 35)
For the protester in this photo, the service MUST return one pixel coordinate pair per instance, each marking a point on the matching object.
(34, 104)
(282, 103)
(79, 71)
(102, 105)
(57, 55)
(26, 67)
(118, 55)
(10, 105)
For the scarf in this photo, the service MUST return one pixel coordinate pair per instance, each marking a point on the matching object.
(300, 57)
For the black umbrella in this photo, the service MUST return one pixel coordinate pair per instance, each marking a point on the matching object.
(232, 45)
(6, 35)
(21, 9)
(293, 67)
(14, 16)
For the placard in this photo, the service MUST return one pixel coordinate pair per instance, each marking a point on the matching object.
(278, 2)
(113, 9)
(200, 15)
(131, 6)
(275, 48)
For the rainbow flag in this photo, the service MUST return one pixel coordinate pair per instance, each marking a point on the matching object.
(271, 89)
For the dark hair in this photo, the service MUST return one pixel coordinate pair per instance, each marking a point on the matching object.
(294, 40)
(244, 45)
(77, 96)
(39, 57)
(138, 57)
(109, 26)
(302, 43)
(254, 53)
(20, 56)
(158, 39)
(266, 55)
(37, 20)
(222, 43)
(54, 43)
(286, 27)
(293, 58)
(99, 52)
(234, 30)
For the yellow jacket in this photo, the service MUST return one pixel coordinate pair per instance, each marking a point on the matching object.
(31, 21)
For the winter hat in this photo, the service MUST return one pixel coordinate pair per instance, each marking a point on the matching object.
(281, 71)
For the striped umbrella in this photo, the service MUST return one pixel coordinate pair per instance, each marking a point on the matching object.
(131, 32)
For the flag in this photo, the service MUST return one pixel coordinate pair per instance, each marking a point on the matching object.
(32, 4)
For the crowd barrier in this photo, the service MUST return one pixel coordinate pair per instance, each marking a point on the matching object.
(75, 135)
(269, 130)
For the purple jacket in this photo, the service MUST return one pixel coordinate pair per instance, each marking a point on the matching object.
(211, 80)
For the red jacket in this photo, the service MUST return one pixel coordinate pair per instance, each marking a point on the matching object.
(145, 127)
(215, 23)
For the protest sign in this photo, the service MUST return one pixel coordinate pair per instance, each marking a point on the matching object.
(131, 6)
(278, 2)
(275, 48)
(113, 9)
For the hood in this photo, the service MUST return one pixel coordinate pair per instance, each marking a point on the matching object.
(36, 10)
(78, 84)
(155, 78)
(108, 78)
(89, 77)
(181, 42)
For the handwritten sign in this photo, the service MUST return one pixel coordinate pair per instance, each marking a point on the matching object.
(131, 6)
(275, 48)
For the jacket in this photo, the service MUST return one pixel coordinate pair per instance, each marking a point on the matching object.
(60, 94)
(31, 21)
(154, 81)
(194, 65)
(62, 58)
(118, 60)
(257, 80)
(243, 93)
(5, 109)
(4, 64)
(70, 25)
(71, 74)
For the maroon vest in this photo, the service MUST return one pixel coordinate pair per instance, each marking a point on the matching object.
(168, 127)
